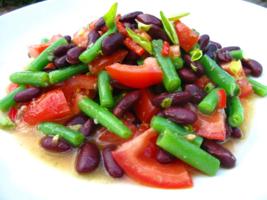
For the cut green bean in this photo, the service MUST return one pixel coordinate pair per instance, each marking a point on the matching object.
(73, 137)
(171, 79)
(236, 54)
(178, 62)
(46, 56)
(90, 54)
(60, 75)
(235, 112)
(109, 17)
(169, 28)
(189, 153)
(8, 101)
(5, 122)
(104, 117)
(258, 88)
(105, 90)
(209, 103)
(37, 79)
(219, 76)
(160, 124)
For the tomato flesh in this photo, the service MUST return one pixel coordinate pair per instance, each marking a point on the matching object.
(132, 158)
(222, 99)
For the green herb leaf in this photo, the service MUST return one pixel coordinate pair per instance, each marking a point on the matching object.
(210, 86)
(5, 122)
(109, 17)
(179, 16)
(169, 28)
(196, 54)
(142, 26)
(166, 103)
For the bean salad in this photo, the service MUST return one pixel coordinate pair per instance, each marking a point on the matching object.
(148, 97)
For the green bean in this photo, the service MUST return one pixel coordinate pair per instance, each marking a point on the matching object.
(236, 54)
(189, 153)
(8, 101)
(73, 137)
(37, 79)
(235, 112)
(210, 102)
(5, 122)
(109, 17)
(143, 42)
(104, 117)
(46, 56)
(105, 90)
(169, 28)
(90, 54)
(178, 62)
(258, 88)
(171, 79)
(160, 124)
(60, 75)
(219, 76)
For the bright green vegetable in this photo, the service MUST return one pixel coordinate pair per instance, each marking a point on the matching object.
(210, 86)
(171, 79)
(178, 17)
(109, 17)
(60, 75)
(258, 88)
(236, 54)
(105, 90)
(143, 42)
(188, 152)
(8, 101)
(90, 54)
(160, 124)
(73, 137)
(37, 79)
(169, 28)
(209, 103)
(196, 54)
(104, 117)
(235, 110)
(46, 56)
(219, 76)
(178, 62)
(142, 26)
(5, 122)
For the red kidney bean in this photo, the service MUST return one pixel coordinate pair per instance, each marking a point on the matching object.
(223, 56)
(203, 41)
(157, 89)
(58, 145)
(218, 45)
(130, 17)
(228, 129)
(247, 71)
(164, 157)
(73, 55)
(230, 48)
(180, 115)
(226, 158)
(126, 103)
(149, 19)
(112, 43)
(99, 24)
(62, 50)
(27, 94)
(93, 36)
(68, 38)
(117, 85)
(88, 158)
(236, 133)
(187, 75)
(158, 33)
(110, 164)
(130, 25)
(177, 98)
(78, 119)
(253, 65)
(131, 58)
(61, 62)
(211, 49)
(197, 94)
(197, 66)
(87, 127)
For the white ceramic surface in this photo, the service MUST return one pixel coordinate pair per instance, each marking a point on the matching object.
(24, 177)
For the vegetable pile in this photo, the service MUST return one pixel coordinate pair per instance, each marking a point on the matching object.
(149, 97)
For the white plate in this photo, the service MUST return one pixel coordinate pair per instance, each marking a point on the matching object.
(23, 176)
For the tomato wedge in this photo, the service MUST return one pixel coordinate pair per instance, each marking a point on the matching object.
(50, 106)
(101, 62)
(211, 126)
(136, 76)
(145, 170)
(187, 37)
(144, 108)
(222, 99)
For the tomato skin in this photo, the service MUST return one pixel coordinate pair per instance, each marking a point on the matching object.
(11, 87)
(202, 81)
(101, 62)
(136, 76)
(134, 158)
(121, 28)
(165, 49)
(211, 126)
(187, 37)
(12, 113)
(222, 99)
(130, 44)
(144, 108)
(49, 106)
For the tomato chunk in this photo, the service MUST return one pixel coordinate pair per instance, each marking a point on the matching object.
(136, 76)
(222, 99)
(132, 157)
(48, 107)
